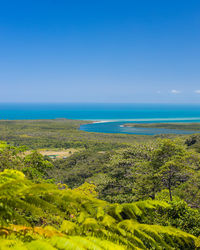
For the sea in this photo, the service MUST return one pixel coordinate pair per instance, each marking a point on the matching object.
(107, 117)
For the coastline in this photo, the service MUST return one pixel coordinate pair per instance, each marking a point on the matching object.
(183, 127)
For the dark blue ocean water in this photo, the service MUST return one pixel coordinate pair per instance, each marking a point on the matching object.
(117, 113)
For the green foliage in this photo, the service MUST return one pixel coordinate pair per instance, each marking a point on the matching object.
(10, 156)
(178, 125)
(80, 167)
(46, 216)
(160, 165)
(35, 214)
(68, 243)
(35, 167)
(166, 166)
(135, 172)
(92, 165)
(177, 214)
(87, 189)
(190, 190)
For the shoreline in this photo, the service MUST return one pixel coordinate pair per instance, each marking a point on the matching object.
(144, 119)
(94, 121)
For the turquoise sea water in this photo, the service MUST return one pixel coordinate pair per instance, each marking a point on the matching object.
(117, 127)
(116, 114)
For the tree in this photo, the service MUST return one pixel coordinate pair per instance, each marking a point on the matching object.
(165, 169)
(163, 164)
(10, 156)
(35, 166)
(172, 173)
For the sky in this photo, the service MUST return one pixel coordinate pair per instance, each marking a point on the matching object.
(135, 51)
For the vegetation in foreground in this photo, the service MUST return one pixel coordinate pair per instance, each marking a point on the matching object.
(49, 216)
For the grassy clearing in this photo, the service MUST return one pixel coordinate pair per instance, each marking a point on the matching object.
(59, 153)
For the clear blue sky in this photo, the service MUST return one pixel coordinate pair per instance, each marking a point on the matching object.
(100, 51)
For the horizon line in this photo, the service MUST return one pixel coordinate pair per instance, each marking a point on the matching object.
(159, 103)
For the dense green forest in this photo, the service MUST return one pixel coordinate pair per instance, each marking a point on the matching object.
(175, 125)
(114, 192)
(60, 133)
